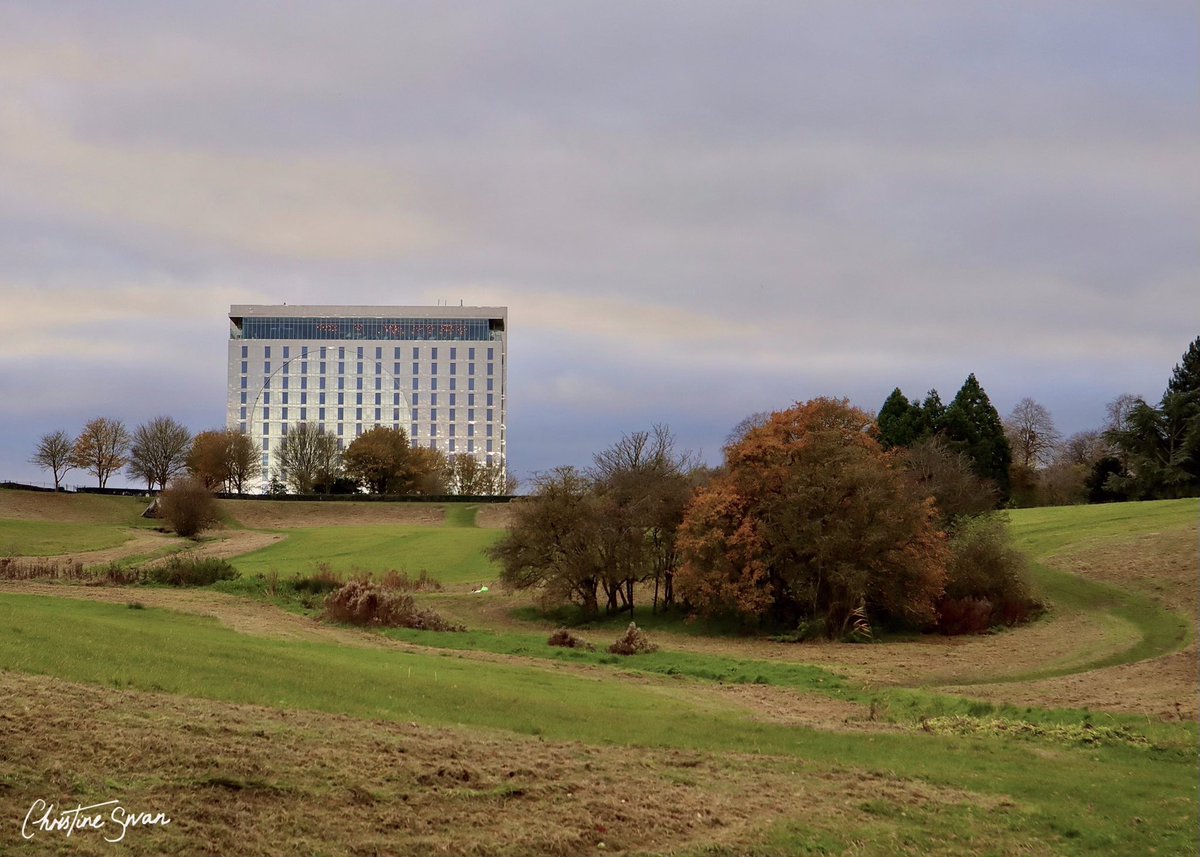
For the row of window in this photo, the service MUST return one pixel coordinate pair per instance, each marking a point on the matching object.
(397, 400)
(341, 369)
(360, 428)
(341, 353)
(285, 383)
(368, 328)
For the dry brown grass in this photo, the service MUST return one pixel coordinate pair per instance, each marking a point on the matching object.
(288, 515)
(240, 779)
(494, 516)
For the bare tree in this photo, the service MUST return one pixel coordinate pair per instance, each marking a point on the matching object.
(101, 448)
(467, 475)
(747, 425)
(1084, 447)
(1119, 411)
(159, 451)
(1031, 434)
(242, 461)
(306, 456)
(54, 453)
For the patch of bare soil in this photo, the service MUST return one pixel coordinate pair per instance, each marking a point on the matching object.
(1167, 688)
(286, 515)
(139, 543)
(494, 516)
(1162, 566)
(246, 780)
(229, 544)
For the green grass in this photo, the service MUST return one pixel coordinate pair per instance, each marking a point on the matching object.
(49, 538)
(1059, 794)
(1045, 532)
(450, 554)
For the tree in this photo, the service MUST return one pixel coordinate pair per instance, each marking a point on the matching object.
(188, 506)
(224, 459)
(1084, 448)
(55, 452)
(642, 486)
(812, 520)
(901, 422)
(159, 451)
(747, 424)
(1031, 434)
(470, 476)
(307, 455)
(1159, 446)
(242, 461)
(947, 477)
(550, 544)
(428, 472)
(101, 448)
(972, 426)
(380, 461)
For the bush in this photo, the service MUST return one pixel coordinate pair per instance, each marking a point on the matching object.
(987, 580)
(361, 602)
(183, 571)
(325, 580)
(400, 580)
(187, 506)
(564, 638)
(632, 642)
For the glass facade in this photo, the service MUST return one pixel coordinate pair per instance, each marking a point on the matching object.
(365, 328)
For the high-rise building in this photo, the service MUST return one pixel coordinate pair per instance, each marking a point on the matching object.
(438, 373)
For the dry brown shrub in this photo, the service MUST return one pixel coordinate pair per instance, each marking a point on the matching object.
(360, 602)
(400, 580)
(563, 637)
(632, 642)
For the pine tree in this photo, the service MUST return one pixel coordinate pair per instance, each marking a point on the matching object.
(972, 426)
(901, 422)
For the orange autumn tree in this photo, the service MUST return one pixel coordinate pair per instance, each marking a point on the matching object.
(812, 521)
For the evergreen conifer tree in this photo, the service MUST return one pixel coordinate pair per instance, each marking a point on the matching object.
(901, 422)
(972, 426)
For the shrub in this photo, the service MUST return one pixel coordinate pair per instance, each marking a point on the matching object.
(191, 571)
(987, 580)
(360, 602)
(324, 580)
(400, 580)
(632, 642)
(187, 506)
(563, 637)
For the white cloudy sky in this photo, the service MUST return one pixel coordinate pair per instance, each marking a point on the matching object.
(693, 210)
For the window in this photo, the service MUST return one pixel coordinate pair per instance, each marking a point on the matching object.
(283, 416)
(266, 414)
(285, 382)
(243, 413)
(416, 369)
(471, 415)
(453, 368)
(266, 398)
(453, 414)
(358, 414)
(245, 351)
(489, 449)
(489, 385)
(433, 383)
(471, 399)
(396, 399)
(378, 382)
(266, 351)
(358, 383)
(453, 384)
(321, 414)
(243, 398)
(341, 352)
(470, 383)
(341, 382)
(415, 399)
(470, 446)
(433, 353)
(358, 370)
(470, 429)
(490, 350)
(341, 398)
(303, 367)
(304, 398)
(413, 433)
(416, 353)
(284, 399)
(304, 383)
(396, 356)
(433, 414)
(321, 382)
(245, 366)
(243, 382)
(320, 398)
(470, 368)
(433, 399)
(266, 367)
(489, 429)
(341, 368)
(358, 399)
(378, 398)
(416, 384)
(489, 414)
(286, 351)
(490, 400)
(303, 414)
(341, 414)
(432, 368)
(360, 353)
(452, 439)
(266, 445)
(451, 429)
(452, 397)
(491, 367)
(378, 352)
(378, 413)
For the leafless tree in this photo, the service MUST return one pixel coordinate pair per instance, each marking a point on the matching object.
(307, 455)
(747, 425)
(54, 453)
(1031, 434)
(159, 451)
(1084, 447)
(242, 461)
(1119, 410)
(101, 448)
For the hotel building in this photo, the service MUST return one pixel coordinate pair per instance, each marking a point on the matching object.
(438, 373)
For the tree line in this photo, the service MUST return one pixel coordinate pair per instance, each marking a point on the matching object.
(1143, 450)
(831, 521)
(308, 460)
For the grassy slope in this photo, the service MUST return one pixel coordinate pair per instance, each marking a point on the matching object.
(1049, 532)
(117, 646)
(40, 524)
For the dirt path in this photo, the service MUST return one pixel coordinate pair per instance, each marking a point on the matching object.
(139, 543)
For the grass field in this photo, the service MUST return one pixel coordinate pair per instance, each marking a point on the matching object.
(490, 742)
